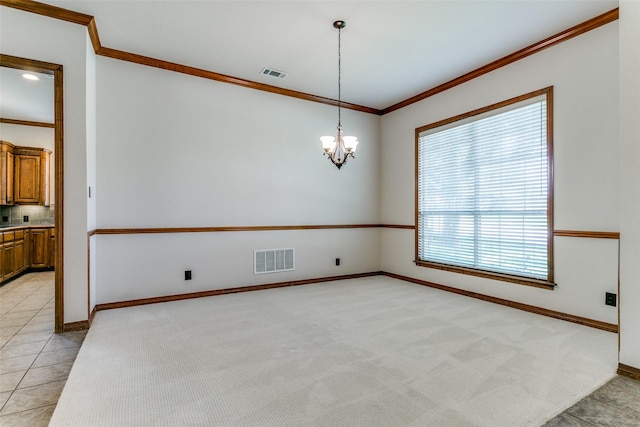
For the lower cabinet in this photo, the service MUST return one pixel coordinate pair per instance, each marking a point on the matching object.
(18, 256)
(24, 249)
(27, 248)
(52, 248)
(8, 260)
(39, 248)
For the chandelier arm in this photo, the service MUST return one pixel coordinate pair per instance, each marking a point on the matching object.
(337, 164)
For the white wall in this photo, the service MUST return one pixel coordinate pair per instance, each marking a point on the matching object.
(180, 151)
(584, 73)
(28, 136)
(630, 183)
(142, 266)
(33, 136)
(32, 36)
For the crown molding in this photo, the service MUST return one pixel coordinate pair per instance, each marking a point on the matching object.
(211, 75)
(48, 10)
(90, 22)
(560, 37)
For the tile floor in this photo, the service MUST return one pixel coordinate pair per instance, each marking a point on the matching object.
(34, 362)
(617, 403)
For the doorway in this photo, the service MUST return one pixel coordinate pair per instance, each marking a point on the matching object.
(56, 71)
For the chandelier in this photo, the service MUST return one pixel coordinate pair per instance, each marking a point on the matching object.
(339, 148)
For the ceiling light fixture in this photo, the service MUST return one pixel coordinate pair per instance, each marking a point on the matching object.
(339, 148)
(30, 76)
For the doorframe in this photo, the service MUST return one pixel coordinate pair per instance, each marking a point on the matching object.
(58, 92)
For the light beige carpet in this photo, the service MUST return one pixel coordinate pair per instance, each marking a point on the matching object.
(363, 352)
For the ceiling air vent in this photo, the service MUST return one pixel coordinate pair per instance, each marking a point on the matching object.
(274, 73)
(273, 260)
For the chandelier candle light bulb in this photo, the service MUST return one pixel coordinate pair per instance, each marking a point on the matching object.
(339, 148)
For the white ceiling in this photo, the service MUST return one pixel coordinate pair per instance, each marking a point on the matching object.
(391, 50)
(22, 99)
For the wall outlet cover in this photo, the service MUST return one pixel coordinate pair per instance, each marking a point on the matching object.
(610, 299)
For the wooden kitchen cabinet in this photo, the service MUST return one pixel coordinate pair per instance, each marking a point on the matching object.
(39, 248)
(24, 175)
(31, 176)
(52, 248)
(19, 260)
(6, 173)
(8, 256)
(27, 179)
(12, 254)
(26, 248)
(1, 256)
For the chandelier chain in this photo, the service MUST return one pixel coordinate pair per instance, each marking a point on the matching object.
(339, 79)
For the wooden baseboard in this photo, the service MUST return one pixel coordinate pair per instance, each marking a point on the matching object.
(167, 298)
(25, 271)
(76, 326)
(92, 315)
(609, 327)
(629, 371)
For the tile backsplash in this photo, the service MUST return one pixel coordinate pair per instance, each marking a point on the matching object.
(13, 216)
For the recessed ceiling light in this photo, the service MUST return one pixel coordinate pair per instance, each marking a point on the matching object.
(30, 76)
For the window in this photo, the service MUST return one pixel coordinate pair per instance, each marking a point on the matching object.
(484, 193)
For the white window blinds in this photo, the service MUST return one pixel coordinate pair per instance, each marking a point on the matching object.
(483, 186)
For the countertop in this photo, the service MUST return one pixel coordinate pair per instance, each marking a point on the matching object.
(23, 227)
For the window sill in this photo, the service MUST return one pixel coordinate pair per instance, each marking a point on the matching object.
(543, 284)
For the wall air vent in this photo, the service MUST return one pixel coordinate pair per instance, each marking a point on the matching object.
(274, 73)
(273, 260)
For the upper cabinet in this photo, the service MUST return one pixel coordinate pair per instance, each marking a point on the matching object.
(24, 175)
(6, 173)
(31, 176)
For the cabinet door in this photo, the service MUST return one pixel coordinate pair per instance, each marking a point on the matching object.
(8, 253)
(27, 248)
(6, 177)
(10, 175)
(52, 251)
(39, 248)
(27, 179)
(18, 250)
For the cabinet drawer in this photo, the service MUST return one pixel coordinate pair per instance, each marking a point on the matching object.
(19, 234)
(9, 236)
